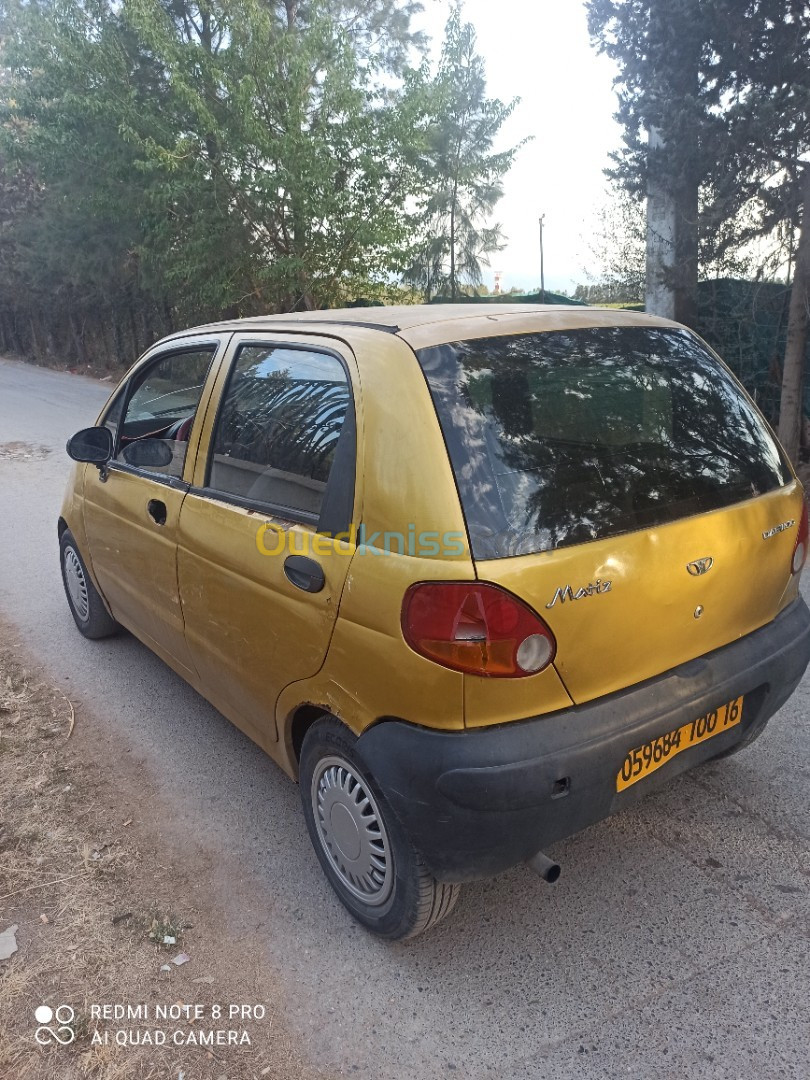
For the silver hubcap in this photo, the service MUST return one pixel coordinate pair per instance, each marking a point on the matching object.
(351, 831)
(76, 584)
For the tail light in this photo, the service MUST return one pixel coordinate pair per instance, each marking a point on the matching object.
(477, 628)
(800, 550)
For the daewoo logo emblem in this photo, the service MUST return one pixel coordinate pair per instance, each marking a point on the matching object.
(700, 566)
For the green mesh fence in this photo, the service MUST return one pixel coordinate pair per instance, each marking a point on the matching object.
(746, 322)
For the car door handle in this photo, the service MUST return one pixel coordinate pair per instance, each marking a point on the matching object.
(304, 573)
(157, 511)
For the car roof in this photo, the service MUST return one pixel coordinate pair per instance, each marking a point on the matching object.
(423, 324)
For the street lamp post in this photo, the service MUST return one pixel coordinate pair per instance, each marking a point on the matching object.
(542, 267)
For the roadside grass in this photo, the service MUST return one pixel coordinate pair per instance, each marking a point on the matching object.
(97, 901)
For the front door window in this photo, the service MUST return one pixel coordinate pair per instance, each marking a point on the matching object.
(156, 426)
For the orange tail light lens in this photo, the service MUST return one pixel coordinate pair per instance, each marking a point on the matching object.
(476, 628)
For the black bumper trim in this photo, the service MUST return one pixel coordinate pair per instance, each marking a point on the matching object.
(479, 801)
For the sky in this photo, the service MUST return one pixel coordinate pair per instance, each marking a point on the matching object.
(539, 51)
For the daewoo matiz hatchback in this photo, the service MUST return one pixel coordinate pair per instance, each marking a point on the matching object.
(476, 577)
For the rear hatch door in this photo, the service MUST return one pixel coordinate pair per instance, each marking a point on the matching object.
(620, 481)
(623, 612)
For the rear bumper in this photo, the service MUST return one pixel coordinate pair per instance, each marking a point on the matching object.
(476, 802)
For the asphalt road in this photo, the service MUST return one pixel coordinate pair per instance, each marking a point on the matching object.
(676, 943)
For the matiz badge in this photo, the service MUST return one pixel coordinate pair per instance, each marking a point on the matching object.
(568, 593)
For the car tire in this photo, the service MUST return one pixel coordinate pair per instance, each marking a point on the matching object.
(86, 606)
(377, 874)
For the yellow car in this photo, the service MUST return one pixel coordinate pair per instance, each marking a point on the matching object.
(476, 577)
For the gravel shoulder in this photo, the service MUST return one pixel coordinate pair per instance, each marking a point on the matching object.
(104, 901)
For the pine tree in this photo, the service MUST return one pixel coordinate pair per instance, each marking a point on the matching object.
(464, 173)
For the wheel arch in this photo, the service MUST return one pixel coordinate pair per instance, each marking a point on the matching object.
(298, 724)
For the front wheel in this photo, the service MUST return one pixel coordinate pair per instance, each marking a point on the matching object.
(86, 606)
(361, 846)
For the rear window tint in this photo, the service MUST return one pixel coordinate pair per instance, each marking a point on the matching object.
(561, 438)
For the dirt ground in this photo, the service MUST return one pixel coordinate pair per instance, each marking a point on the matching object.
(96, 895)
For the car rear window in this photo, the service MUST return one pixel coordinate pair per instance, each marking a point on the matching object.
(564, 437)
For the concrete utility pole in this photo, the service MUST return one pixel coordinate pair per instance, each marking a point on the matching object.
(672, 238)
(659, 294)
(542, 266)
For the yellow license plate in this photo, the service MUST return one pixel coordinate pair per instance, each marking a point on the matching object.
(643, 760)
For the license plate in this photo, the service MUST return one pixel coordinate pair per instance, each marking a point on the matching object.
(643, 760)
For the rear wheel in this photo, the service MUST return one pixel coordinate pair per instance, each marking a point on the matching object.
(361, 846)
(86, 606)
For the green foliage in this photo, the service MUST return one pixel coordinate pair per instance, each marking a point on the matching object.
(167, 161)
(756, 182)
(464, 174)
(666, 81)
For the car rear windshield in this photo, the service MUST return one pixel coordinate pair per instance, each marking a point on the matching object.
(564, 437)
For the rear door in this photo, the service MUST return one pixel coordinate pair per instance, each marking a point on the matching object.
(620, 481)
(264, 539)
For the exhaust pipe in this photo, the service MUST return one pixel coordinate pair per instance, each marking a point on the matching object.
(543, 866)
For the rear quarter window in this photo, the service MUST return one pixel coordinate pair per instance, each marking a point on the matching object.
(287, 415)
(565, 437)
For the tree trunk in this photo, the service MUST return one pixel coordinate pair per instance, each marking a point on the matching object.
(76, 334)
(453, 247)
(119, 337)
(15, 336)
(36, 351)
(791, 406)
(133, 328)
(168, 317)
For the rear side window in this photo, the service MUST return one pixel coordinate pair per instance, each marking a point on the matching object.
(565, 437)
(286, 417)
